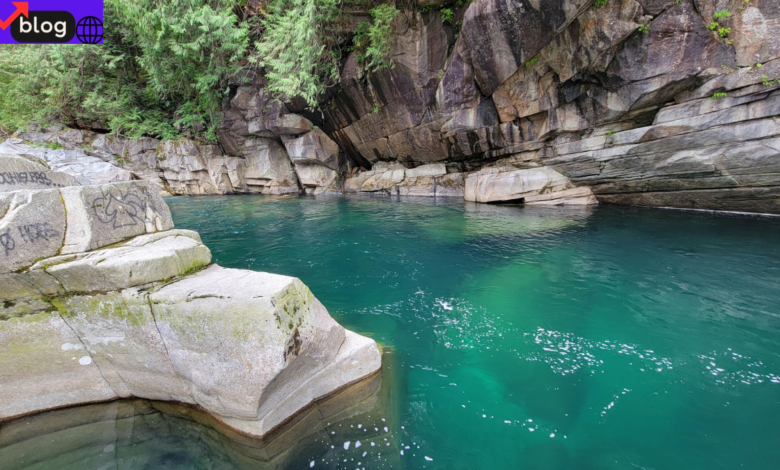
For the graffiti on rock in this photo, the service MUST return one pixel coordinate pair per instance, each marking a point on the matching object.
(120, 209)
(7, 241)
(24, 177)
(31, 233)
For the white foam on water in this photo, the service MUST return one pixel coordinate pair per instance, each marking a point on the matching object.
(428, 459)
(346, 445)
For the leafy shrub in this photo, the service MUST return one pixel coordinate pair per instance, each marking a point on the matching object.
(373, 42)
(298, 50)
(446, 15)
(162, 69)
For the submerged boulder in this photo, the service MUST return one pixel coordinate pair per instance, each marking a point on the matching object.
(104, 299)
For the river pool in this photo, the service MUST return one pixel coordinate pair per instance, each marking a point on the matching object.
(522, 337)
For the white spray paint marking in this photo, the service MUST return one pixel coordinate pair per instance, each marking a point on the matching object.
(71, 347)
(85, 361)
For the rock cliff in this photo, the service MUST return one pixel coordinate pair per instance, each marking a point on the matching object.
(103, 299)
(647, 102)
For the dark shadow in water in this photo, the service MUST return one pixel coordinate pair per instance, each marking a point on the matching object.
(141, 434)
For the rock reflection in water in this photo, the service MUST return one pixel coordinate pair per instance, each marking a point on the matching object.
(140, 434)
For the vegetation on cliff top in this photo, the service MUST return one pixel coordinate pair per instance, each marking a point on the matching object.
(165, 66)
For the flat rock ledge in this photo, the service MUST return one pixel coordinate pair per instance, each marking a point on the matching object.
(104, 299)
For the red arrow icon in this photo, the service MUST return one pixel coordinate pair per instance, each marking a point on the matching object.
(21, 9)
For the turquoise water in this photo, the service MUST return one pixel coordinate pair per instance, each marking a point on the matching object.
(528, 338)
(541, 338)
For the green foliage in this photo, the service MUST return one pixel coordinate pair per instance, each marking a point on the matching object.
(531, 62)
(720, 95)
(644, 28)
(299, 50)
(769, 82)
(188, 48)
(161, 70)
(601, 3)
(446, 15)
(716, 25)
(373, 42)
(721, 14)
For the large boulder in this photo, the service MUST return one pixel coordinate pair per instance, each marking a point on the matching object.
(103, 299)
(531, 186)
(268, 167)
(314, 147)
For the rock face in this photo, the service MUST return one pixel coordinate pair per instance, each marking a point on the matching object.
(83, 168)
(104, 299)
(531, 186)
(639, 100)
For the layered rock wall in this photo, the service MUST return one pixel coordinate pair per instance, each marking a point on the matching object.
(634, 102)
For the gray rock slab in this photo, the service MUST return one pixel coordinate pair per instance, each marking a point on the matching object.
(107, 214)
(18, 172)
(120, 329)
(214, 321)
(44, 365)
(144, 260)
(541, 185)
(32, 227)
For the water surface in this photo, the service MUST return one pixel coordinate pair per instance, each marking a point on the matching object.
(533, 338)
